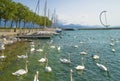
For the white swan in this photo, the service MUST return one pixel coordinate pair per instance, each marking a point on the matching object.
(52, 47)
(36, 76)
(113, 50)
(39, 50)
(58, 48)
(80, 67)
(22, 56)
(42, 60)
(76, 46)
(32, 49)
(2, 46)
(2, 57)
(64, 60)
(111, 44)
(48, 68)
(102, 67)
(95, 57)
(83, 53)
(21, 71)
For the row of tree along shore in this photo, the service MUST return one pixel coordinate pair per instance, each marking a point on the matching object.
(16, 13)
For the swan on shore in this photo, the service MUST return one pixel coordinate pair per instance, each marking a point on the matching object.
(102, 67)
(21, 71)
(36, 76)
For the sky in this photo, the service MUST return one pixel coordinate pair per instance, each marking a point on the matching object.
(83, 12)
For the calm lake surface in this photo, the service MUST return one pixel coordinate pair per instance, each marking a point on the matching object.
(92, 41)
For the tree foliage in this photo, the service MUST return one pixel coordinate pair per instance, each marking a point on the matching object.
(18, 13)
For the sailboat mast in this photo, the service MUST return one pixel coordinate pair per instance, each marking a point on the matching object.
(45, 10)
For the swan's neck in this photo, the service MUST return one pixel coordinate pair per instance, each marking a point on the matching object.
(82, 60)
(26, 68)
(71, 79)
(46, 62)
(68, 57)
(26, 54)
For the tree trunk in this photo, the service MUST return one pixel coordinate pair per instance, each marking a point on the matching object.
(16, 24)
(5, 23)
(0, 21)
(11, 26)
(24, 24)
(19, 24)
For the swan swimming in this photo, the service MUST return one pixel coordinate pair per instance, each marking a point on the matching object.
(102, 67)
(113, 50)
(64, 60)
(95, 57)
(39, 50)
(48, 68)
(83, 53)
(36, 76)
(42, 60)
(23, 56)
(21, 71)
(80, 67)
(76, 46)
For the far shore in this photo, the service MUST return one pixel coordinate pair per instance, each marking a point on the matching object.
(91, 28)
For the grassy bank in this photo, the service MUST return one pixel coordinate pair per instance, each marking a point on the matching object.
(11, 52)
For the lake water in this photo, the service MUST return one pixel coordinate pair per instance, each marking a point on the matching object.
(92, 41)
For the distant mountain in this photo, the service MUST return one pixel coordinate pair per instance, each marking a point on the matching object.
(77, 26)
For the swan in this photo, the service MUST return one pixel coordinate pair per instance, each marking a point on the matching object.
(76, 46)
(71, 79)
(64, 60)
(21, 71)
(32, 49)
(40, 50)
(42, 60)
(48, 68)
(83, 53)
(95, 57)
(23, 56)
(111, 44)
(52, 47)
(113, 50)
(102, 67)
(36, 76)
(58, 48)
(80, 67)
(2, 46)
(2, 57)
